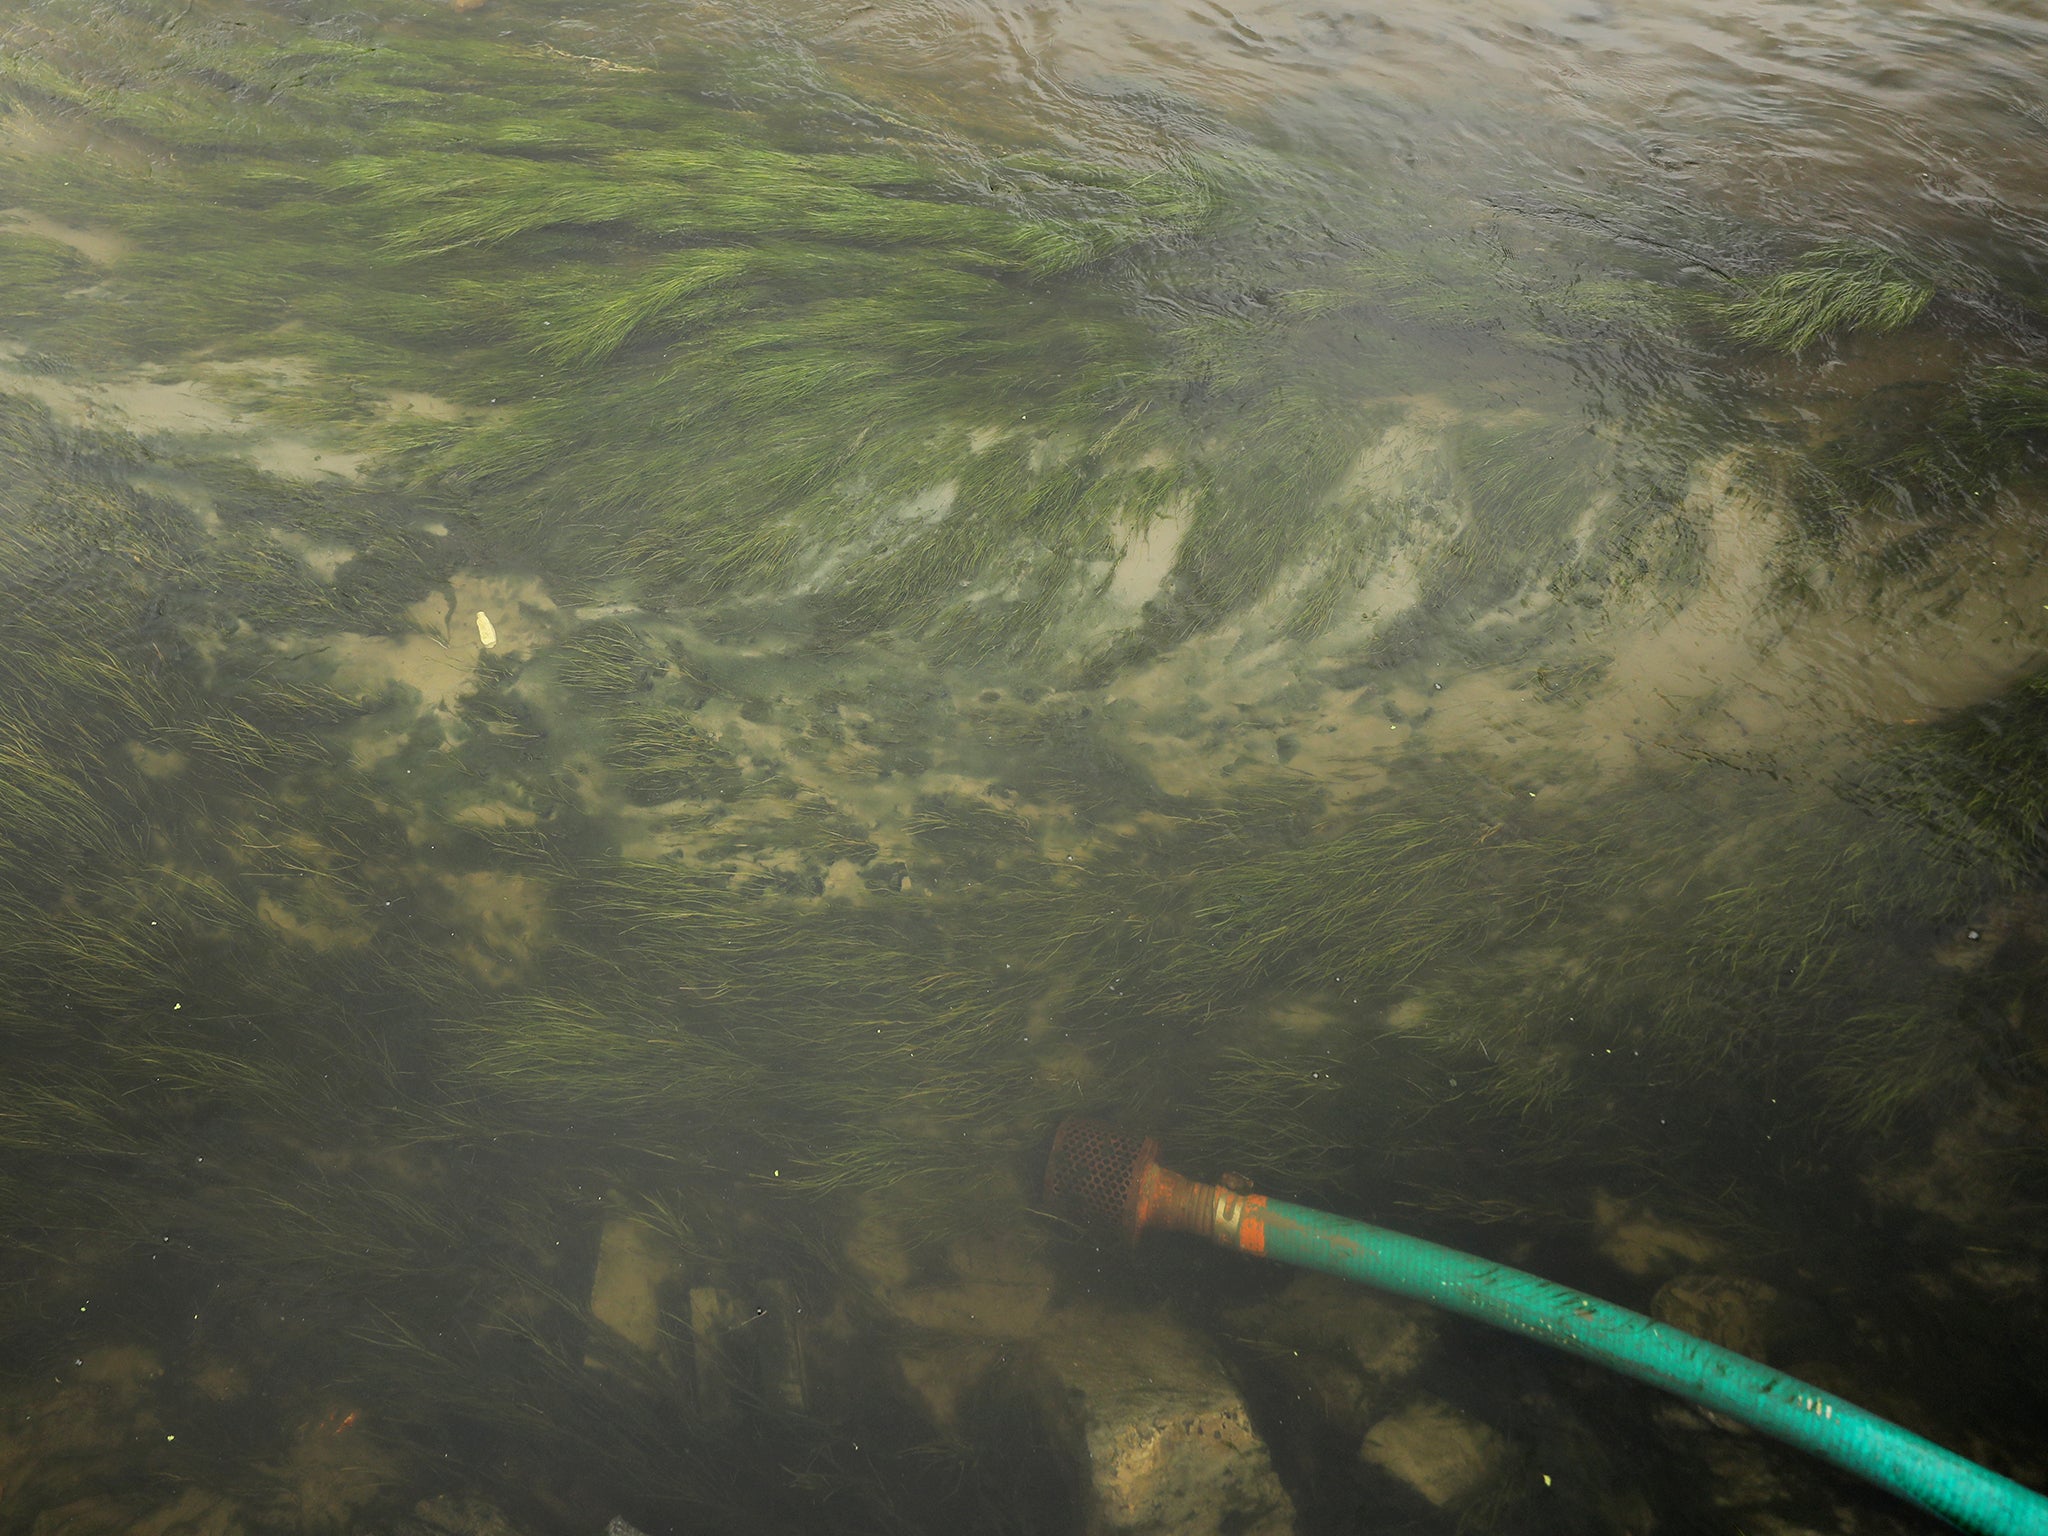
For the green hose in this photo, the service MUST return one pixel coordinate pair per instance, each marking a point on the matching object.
(1959, 1491)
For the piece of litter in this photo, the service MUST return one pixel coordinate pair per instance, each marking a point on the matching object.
(485, 631)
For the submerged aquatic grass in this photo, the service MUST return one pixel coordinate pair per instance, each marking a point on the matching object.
(385, 1008)
(683, 335)
(1979, 777)
(686, 340)
(1837, 286)
(1926, 461)
(665, 757)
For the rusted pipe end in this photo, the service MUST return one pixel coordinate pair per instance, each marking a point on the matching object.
(1105, 1178)
(1096, 1174)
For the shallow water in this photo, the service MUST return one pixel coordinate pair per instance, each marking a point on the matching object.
(643, 639)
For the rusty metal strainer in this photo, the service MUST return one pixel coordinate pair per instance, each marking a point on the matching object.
(1096, 1173)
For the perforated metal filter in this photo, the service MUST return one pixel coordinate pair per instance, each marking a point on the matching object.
(1092, 1175)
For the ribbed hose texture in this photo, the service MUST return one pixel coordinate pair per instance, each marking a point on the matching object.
(1960, 1491)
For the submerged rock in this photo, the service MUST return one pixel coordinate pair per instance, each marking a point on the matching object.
(624, 1294)
(465, 1514)
(734, 1338)
(1441, 1453)
(1733, 1311)
(1100, 1420)
(1638, 1240)
(1341, 1352)
(1139, 1418)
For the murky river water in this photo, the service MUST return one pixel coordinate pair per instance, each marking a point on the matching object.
(638, 640)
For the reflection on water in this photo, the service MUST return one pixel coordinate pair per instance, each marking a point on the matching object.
(642, 640)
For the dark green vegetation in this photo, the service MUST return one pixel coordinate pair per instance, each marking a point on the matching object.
(681, 331)
(1892, 479)
(733, 348)
(1884, 475)
(796, 882)
(252, 1056)
(1980, 777)
(262, 1042)
(1833, 288)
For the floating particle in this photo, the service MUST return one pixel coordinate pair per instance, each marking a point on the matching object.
(485, 630)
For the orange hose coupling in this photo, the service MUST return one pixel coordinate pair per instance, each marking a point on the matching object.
(1105, 1178)
(1169, 1201)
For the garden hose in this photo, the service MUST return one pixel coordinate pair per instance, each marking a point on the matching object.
(1103, 1176)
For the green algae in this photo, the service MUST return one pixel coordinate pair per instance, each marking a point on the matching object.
(1839, 286)
(768, 1057)
(865, 1014)
(607, 659)
(1977, 776)
(37, 278)
(665, 756)
(723, 357)
(1927, 461)
(904, 382)
(703, 345)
